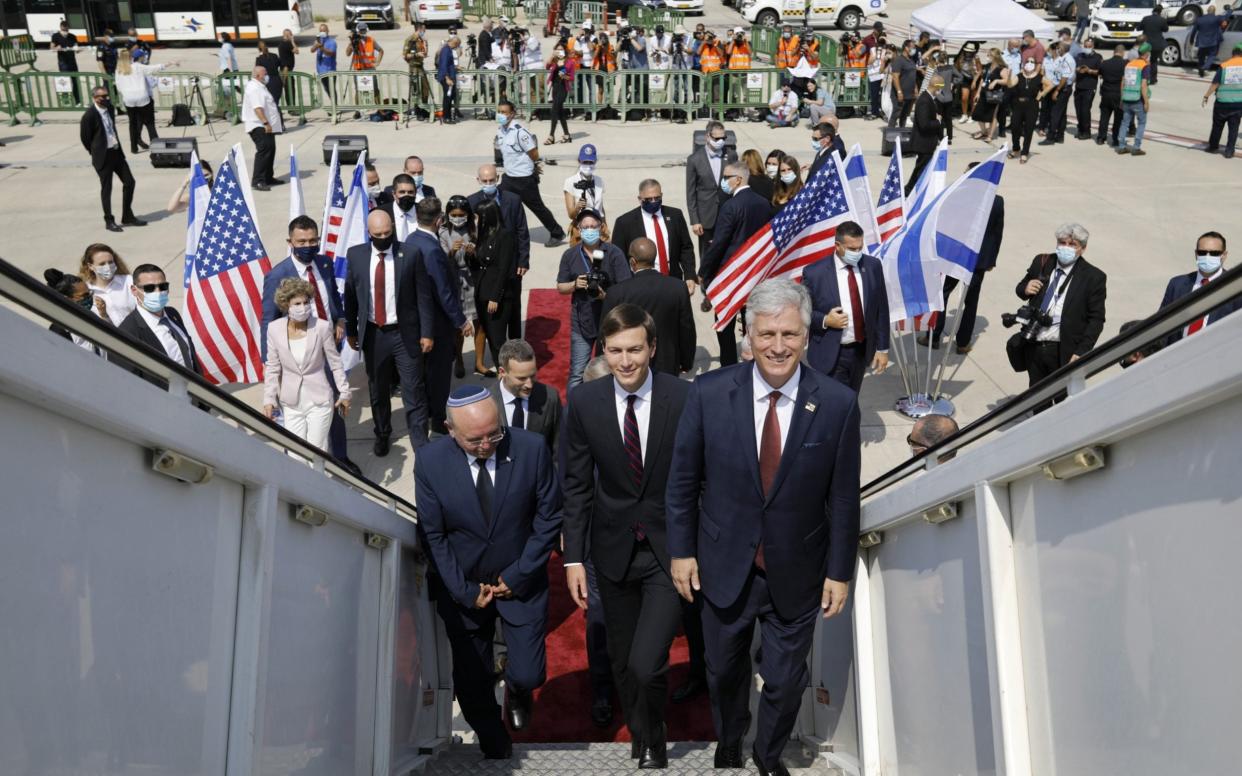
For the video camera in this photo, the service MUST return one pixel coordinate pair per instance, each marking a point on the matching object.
(586, 186)
(1030, 318)
(597, 279)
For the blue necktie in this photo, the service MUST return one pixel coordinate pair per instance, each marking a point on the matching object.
(1049, 296)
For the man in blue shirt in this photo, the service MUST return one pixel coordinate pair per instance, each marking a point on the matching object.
(446, 74)
(1060, 68)
(520, 152)
(324, 50)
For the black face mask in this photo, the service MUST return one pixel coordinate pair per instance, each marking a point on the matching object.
(406, 203)
(382, 243)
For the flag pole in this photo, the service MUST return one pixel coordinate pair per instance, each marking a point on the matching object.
(899, 355)
(914, 384)
(943, 406)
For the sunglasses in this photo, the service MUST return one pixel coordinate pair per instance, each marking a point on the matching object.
(1212, 253)
(910, 441)
(151, 288)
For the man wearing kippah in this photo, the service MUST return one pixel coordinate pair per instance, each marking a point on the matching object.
(489, 510)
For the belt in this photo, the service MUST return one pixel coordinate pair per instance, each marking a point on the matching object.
(387, 327)
(856, 345)
(1047, 344)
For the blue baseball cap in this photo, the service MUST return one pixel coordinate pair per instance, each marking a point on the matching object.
(587, 153)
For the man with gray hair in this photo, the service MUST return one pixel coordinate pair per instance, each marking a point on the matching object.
(744, 214)
(762, 516)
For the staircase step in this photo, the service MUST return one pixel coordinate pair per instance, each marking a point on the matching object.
(685, 758)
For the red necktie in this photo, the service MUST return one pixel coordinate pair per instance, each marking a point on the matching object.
(659, 233)
(769, 457)
(634, 452)
(310, 278)
(856, 308)
(1198, 323)
(381, 307)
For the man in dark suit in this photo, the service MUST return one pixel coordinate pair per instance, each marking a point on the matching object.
(988, 251)
(389, 316)
(663, 225)
(620, 445)
(523, 400)
(490, 511)
(763, 505)
(824, 136)
(926, 132)
(99, 137)
(413, 167)
(154, 323)
(740, 217)
(666, 301)
(399, 202)
(704, 171)
(1071, 292)
(1210, 256)
(423, 247)
(513, 218)
(849, 318)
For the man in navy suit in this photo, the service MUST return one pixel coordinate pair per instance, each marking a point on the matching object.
(307, 263)
(423, 247)
(1210, 256)
(739, 218)
(513, 218)
(849, 318)
(490, 510)
(762, 507)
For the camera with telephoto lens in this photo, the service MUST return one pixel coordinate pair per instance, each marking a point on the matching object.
(1029, 317)
(597, 279)
(586, 186)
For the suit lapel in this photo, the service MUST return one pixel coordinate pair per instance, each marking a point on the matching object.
(742, 398)
(656, 424)
(504, 473)
(465, 485)
(803, 413)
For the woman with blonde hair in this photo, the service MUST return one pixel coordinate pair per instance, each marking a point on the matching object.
(788, 183)
(104, 272)
(990, 86)
(132, 81)
(298, 346)
(759, 180)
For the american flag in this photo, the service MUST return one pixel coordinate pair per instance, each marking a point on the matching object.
(224, 300)
(890, 212)
(333, 208)
(802, 234)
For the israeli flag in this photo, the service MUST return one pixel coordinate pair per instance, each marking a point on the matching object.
(196, 213)
(859, 189)
(297, 202)
(931, 182)
(353, 232)
(962, 217)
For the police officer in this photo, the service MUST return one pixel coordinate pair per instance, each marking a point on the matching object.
(1227, 85)
(415, 54)
(520, 152)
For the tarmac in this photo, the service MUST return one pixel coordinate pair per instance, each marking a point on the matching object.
(1144, 214)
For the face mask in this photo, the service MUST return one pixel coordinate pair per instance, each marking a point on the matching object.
(587, 170)
(560, 55)
(422, 34)
(382, 243)
(786, 35)
(502, 119)
(299, 312)
(772, 170)
(651, 208)
(267, 79)
(788, 177)
(1029, 67)
(590, 236)
(489, 189)
(306, 253)
(406, 203)
(726, 187)
(1066, 255)
(374, 191)
(321, 36)
(418, 180)
(852, 257)
(155, 302)
(1208, 265)
(105, 272)
(816, 147)
(457, 221)
(715, 144)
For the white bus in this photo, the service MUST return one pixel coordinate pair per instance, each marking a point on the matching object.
(157, 20)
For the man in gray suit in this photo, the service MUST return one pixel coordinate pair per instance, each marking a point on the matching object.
(524, 401)
(704, 169)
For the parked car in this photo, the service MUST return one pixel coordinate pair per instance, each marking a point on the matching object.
(846, 14)
(1177, 50)
(373, 12)
(686, 6)
(1116, 21)
(1186, 11)
(437, 11)
(1063, 9)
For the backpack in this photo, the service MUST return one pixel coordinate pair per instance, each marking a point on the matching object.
(181, 116)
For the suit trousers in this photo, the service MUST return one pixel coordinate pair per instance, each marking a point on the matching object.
(851, 365)
(641, 612)
(512, 310)
(785, 644)
(264, 156)
(438, 377)
(310, 422)
(385, 355)
(1082, 108)
(495, 325)
(1042, 359)
(1110, 113)
(140, 117)
(1059, 118)
(920, 162)
(970, 309)
(527, 187)
(692, 624)
(115, 164)
(726, 338)
(1223, 115)
(598, 664)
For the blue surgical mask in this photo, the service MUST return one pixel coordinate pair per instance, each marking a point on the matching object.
(1208, 265)
(852, 257)
(418, 181)
(816, 147)
(590, 236)
(155, 302)
(306, 254)
(1066, 255)
(789, 177)
(726, 187)
(501, 119)
(489, 189)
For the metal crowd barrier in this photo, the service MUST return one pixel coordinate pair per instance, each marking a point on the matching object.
(733, 90)
(17, 50)
(480, 89)
(303, 93)
(675, 91)
(829, 51)
(38, 92)
(764, 41)
(173, 87)
(481, 8)
(648, 18)
(581, 10)
(366, 91)
(230, 90)
(536, 10)
(847, 85)
(10, 97)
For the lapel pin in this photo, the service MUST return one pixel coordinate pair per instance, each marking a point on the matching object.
(809, 406)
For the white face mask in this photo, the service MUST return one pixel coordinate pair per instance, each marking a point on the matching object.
(1029, 67)
(299, 312)
(105, 272)
(772, 170)
(587, 170)
(789, 177)
(375, 190)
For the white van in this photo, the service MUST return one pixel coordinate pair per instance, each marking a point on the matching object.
(1116, 21)
(846, 14)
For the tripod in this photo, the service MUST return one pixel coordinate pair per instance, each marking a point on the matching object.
(196, 91)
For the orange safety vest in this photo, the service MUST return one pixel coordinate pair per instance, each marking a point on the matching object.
(856, 56)
(709, 59)
(739, 59)
(787, 55)
(604, 60)
(364, 57)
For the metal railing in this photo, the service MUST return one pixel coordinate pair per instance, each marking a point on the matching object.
(173, 87)
(17, 50)
(302, 94)
(742, 90)
(366, 91)
(674, 91)
(39, 92)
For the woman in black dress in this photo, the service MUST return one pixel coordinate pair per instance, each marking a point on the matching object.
(496, 254)
(989, 93)
(1028, 89)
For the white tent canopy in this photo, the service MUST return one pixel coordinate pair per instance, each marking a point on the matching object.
(979, 20)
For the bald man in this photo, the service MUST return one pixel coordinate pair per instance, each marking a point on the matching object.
(513, 218)
(390, 317)
(665, 299)
(263, 123)
(929, 431)
(489, 510)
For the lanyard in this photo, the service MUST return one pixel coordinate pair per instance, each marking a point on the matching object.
(586, 259)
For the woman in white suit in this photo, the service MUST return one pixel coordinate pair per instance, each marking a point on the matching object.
(298, 346)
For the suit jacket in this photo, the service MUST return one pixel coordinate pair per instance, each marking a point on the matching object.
(808, 522)
(287, 379)
(94, 138)
(543, 414)
(513, 543)
(925, 135)
(292, 268)
(631, 225)
(513, 218)
(744, 214)
(492, 282)
(136, 327)
(601, 501)
(838, 145)
(989, 249)
(447, 314)
(703, 195)
(415, 316)
(666, 300)
(820, 280)
(1082, 314)
(1180, 286)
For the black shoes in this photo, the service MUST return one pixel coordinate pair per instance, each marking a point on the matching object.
(132, 221)
(503, 753)
(693, 687)
(112, 226)
(518, 705)
(260, 187)
(380, 448)
(554, 241)
(653, 755)
(729, 756)
(601, 711)
(777, 770)
(1047, 141)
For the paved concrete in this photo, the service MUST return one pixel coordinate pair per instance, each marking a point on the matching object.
(1144, 215)
(686, 758)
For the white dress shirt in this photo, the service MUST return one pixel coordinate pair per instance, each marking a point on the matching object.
(649, 228)
(715, 160)
(307, 272)
(404, 223)
(165, 334)
(642, 409)
(117, 297)
(843, 288)
(257, 96)
(784, 405)
(1058, 286)
(109, 128)
(472, 462)
(390, 284)
(507, 399)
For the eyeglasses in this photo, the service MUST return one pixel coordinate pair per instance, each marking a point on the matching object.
(651, 199)
(151, 288)
(1211, 253)
(492, 440)
(918, 447)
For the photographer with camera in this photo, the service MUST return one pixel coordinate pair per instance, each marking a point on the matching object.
(324, 49)
(365, 52)
(584, 189)
(1063, 314)
(588, 268)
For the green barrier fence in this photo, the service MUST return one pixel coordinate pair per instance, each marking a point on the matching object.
(648, 18)
(764, 41)
(58, 92)
(580, 10)
(230, 90)
(366, 91)
(10, 101)
(829, 51)
(481, 8)
(174, 87)
(536, 10)
(480, 90)
(847, 85)
(302, 94)
(741, 90)
(677, 92)
(17, 50)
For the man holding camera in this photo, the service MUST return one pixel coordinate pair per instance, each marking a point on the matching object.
(738, 55)
(365, 52)
(587, 269)
(585, 189)
(1064, 311)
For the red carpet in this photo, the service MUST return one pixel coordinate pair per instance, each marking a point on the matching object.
(563, 704)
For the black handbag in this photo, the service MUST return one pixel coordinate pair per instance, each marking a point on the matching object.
(1015, 349)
